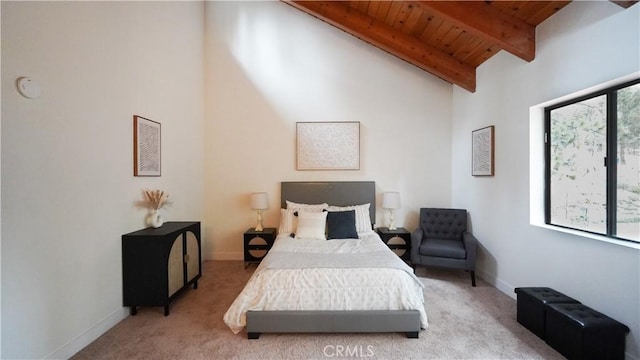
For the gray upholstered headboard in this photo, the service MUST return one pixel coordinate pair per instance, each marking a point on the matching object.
(338, 193)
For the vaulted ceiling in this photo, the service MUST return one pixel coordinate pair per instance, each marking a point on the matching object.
(449, 39)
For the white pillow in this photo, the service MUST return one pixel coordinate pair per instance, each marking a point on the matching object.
(363, 221)
(306, 207)
(311, 225)
(287, 221)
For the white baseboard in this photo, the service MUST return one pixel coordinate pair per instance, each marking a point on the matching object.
(506, 288)
(81, 341)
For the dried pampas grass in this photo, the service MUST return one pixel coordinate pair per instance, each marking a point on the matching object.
(156, 198)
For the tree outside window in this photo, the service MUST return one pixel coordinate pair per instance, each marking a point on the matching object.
(593, 163)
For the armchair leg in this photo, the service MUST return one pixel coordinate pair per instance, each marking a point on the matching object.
(473, 278)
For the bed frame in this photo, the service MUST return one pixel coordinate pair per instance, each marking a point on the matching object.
(340, 193)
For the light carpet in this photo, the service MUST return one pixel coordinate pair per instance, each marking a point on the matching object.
(464, 323)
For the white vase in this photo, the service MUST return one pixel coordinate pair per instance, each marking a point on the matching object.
(155, 219)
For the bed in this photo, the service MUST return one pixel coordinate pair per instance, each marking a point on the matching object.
(295, 287)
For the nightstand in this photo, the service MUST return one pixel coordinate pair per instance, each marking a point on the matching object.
(257, 244)
(398, 240)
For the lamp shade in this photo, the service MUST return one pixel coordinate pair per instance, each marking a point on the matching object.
(391, 200)
(259, 201)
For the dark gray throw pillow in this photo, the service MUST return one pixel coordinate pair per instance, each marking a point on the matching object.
(341, 225)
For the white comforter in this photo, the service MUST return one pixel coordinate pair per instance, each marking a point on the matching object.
(368, 277)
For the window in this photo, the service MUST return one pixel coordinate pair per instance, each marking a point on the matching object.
(592, 162)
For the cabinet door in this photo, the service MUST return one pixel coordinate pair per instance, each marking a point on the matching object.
(193, 256)
(176, 268)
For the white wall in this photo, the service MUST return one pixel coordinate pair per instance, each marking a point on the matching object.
(269, 66)
(584, 44)
(67, 183)
(0, 199)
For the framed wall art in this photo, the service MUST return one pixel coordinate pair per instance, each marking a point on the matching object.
(146, 147)
(328, 145)
(482, 148)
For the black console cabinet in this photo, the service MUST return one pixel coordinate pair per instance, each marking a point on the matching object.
(159, 264)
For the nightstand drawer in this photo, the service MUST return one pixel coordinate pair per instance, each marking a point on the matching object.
(398, 240)
(257, 244)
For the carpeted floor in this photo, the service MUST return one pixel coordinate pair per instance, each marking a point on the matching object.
(464, 323)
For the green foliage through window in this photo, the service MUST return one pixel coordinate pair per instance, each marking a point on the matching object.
(593, 163)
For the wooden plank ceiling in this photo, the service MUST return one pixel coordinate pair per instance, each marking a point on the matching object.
(449, 39)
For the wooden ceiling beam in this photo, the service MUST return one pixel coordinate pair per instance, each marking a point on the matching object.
(391, 40)
(483, 20)
(624, 4)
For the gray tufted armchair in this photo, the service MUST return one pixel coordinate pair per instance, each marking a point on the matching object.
(442, 240)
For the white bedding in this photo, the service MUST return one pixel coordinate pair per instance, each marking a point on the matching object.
(368, 277)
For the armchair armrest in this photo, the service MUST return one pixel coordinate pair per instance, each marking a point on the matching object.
(416, 240)
(470, 245)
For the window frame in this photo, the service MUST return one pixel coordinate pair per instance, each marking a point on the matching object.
(609, 161)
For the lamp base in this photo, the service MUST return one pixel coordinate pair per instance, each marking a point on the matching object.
(392, 226)
(259, 224)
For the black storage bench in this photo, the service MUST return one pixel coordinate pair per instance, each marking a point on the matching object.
(531, 306)
(579, 332)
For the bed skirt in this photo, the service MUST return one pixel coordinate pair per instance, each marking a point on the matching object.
(361, 321)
